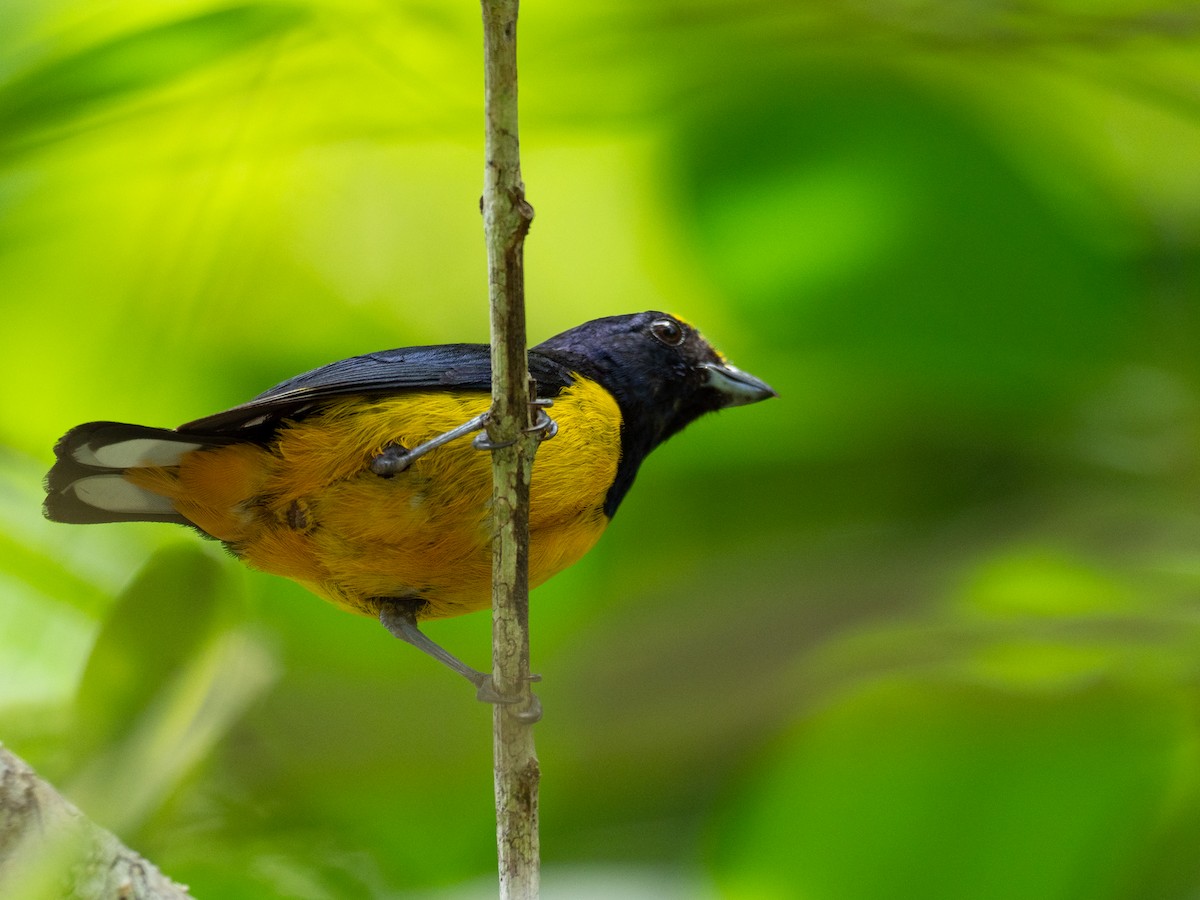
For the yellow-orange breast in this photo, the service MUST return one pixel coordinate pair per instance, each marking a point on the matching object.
(306, 506)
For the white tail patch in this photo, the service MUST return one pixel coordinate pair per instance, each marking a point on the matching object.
(114, 494)
(133, 453)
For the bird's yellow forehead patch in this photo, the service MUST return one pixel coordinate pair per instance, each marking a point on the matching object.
(696, 331)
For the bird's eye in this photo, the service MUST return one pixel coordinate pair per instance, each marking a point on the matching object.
(668, 331)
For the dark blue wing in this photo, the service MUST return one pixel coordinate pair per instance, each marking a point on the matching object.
(461, 367)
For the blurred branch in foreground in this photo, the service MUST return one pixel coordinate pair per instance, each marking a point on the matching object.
(48, 849)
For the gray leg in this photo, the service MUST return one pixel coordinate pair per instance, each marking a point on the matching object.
(400, 618)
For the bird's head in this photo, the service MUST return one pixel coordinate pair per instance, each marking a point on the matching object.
(662, 372)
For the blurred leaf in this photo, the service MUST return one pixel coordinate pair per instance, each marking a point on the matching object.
(144, 642)
(161, 688)
(915, 262)
(73, 85)
(922, 790)
(1039, 582)
(125, 783)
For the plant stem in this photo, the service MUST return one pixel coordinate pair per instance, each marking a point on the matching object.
(506, 218)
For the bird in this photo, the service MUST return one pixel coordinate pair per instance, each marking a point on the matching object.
(354, 480)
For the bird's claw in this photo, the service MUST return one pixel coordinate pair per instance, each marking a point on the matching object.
(486, 692)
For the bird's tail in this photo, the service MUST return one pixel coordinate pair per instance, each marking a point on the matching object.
(88, 485)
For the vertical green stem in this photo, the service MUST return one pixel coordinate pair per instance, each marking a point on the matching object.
(506, 218)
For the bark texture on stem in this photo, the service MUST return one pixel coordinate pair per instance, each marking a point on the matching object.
(506, 217)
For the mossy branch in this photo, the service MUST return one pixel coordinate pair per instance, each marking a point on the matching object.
(49, 850)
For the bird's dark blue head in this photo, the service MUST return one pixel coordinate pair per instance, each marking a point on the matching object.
(663, 374)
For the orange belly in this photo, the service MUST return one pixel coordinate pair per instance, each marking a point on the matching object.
(307, 507)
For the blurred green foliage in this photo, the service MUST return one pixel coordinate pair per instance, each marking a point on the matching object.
(927, 626)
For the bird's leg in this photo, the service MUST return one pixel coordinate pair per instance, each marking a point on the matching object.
(544, 427)
(395, 459)
(399, 616)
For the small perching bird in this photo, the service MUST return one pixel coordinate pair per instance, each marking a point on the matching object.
(353, 479)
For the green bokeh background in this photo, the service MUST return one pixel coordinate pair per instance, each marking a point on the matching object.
(928, 626)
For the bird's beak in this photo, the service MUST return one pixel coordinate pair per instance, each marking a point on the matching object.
(737, 388)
